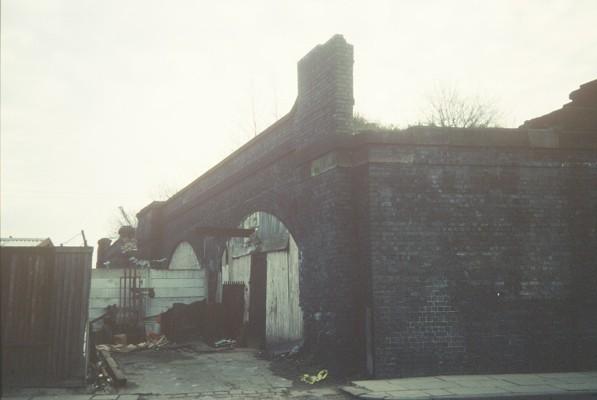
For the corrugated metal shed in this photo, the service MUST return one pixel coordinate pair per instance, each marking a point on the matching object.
(25, 242)
(45, 294)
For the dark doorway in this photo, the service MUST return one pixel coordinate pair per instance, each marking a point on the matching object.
(233, 304)
(257, 286)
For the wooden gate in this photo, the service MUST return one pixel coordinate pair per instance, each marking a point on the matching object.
(284, 316)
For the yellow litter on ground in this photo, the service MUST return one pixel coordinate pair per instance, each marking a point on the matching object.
(311, 379)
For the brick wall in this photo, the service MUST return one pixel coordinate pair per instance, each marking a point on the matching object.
(473, 250)
(483, 259)
(272, 173)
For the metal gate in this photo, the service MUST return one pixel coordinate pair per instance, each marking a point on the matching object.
(131, 308)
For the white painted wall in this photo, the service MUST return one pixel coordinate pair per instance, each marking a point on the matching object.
(284, 316)
(105, 284)
(175, 286)
(184, 282)
(239, 270)
(184, 257)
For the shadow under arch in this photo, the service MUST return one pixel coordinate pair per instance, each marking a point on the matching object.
(266, 265)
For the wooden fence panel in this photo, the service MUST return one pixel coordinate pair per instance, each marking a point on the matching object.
(70, 314)
(26, 285)
(45, 294)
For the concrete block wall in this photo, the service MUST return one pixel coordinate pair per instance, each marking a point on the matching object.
(105, 290)
(170, 286)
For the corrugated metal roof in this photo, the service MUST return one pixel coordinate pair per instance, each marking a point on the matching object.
(25, 242)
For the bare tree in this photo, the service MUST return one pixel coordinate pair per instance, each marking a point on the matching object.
(448, 108)
(250, 126)
(253, 116)
(163, 191)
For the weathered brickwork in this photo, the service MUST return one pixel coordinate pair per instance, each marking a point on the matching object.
(471, 250)
(272, 174)
(483, 261)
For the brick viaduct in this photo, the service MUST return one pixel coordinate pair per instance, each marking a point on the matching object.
(425, 250)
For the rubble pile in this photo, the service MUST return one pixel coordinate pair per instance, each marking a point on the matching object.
(153, 342)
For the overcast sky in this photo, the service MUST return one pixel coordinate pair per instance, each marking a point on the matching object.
(110, 103)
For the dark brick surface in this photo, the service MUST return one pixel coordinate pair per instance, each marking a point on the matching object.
(484, 261)
(475, 249)
(268, 175)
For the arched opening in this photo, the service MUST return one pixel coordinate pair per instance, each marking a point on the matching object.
(188, 281)
(266, 265)
(184, 257)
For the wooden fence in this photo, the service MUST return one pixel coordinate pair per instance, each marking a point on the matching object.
(45, 296)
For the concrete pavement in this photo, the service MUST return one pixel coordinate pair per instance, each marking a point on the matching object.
(264, 394)
(192, 372)
(520, 386)
(66, 396)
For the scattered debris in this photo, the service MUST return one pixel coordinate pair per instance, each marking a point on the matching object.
(312, 379)
(112, 368)
(154, 342)
(105, 373)
(99, 378)
(183, 322)
(119, 339)
(286, 350)
(225, 343)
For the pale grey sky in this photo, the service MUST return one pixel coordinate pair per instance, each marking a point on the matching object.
(108, 103)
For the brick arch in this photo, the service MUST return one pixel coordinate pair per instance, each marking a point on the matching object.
(284, 171)
(381, 214)
(265, 211)
(284, 216)
(268, 262)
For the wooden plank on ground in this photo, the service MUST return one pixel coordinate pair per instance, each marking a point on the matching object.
(113, 369)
